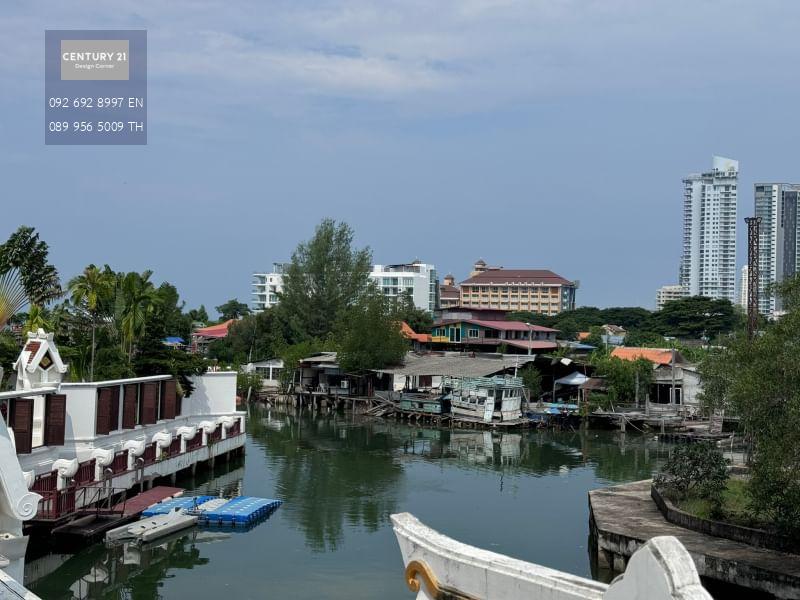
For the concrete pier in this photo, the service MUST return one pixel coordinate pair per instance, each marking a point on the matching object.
(622, 518)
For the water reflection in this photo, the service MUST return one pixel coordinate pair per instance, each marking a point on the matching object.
(340, 476)
(329, 472)
(335, 470)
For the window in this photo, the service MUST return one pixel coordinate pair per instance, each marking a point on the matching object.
(473, 333)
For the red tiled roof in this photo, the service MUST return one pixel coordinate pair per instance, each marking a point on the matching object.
(33, 348)
(215, 331)
(449, 291)
(659, 356)
(505, 276)
(406, 330)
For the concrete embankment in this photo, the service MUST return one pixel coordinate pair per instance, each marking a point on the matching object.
(624, 517)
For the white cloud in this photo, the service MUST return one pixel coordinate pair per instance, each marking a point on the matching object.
(421, 55)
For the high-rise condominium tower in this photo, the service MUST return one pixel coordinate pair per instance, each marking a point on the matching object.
(779, 240)
(708, 265)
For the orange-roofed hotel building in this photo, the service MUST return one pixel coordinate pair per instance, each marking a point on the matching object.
(533, 290)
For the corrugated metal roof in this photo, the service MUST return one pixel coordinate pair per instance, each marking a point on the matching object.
(454, 365)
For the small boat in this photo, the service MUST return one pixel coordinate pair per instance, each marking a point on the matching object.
(487, 399)
(152, 528)
(424, 403)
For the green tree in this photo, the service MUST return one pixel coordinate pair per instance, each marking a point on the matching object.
(88, 291)
(232, 309)
(38, 318)
(759, 381)
(199, 315)
(532, 380)
(136, 300)
(255, 337)
(25, 275)
(695, 469)
(621, 376)
(325, 277)
(369, 334)
(421, 321)
(248, 383)
(9, 350)
(696, 317)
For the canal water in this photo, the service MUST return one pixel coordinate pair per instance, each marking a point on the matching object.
(340, 477)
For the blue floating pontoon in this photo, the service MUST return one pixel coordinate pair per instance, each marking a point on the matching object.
(184, 502)
(211, 510)
(239, 511)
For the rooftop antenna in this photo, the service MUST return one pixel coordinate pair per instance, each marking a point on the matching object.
(753, 228)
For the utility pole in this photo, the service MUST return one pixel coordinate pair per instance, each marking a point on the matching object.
(753, 232)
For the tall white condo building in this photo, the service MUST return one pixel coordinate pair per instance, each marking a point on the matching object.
(779, 240)
(708, 264)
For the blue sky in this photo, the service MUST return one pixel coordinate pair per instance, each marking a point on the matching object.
(550, 134)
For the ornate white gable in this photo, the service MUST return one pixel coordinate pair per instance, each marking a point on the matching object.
(39, 364)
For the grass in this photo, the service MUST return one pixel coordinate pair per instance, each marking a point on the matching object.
(733, 509)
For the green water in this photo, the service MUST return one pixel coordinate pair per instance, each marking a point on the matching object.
(340, 478)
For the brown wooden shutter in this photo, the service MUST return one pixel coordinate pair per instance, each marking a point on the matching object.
(168, 399)
(114, 412)
(22, 424)
(102, 422)
(129, 406)
(55, 419)
(149, 403)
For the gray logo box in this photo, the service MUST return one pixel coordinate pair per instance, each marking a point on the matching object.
(95, 60)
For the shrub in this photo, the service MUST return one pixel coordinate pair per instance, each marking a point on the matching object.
(697, 469)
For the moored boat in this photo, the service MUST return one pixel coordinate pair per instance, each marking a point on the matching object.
(152, 528)
(486, 399)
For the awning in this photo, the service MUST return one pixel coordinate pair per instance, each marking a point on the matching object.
(575, 378)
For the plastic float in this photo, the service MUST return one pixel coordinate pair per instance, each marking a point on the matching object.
(241, 511)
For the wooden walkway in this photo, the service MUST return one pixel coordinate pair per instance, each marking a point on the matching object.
(135, 505)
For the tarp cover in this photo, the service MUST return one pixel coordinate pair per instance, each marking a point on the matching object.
(573, 379)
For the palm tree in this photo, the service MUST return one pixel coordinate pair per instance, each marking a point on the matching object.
(88, 291)
(25, 275)
(136, 300)
(37, 319)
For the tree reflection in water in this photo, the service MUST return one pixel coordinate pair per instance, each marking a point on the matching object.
(328, 472)
(124, 571)
(337, 469)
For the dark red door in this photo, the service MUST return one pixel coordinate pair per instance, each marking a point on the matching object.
(149, 399)
(102, 423)
(22, 424)
(131, 391)
(55, 419)
(168, 399)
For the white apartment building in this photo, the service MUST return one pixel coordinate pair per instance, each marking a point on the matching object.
(417, 279)
(708, 264)
(744, 286)
(667, 293)
(266, 287)
(779, 240)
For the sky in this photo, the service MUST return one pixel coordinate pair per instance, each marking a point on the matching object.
(530, 133)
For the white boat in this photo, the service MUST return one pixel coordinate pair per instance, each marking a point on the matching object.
(486, 399)
(152, 528)
(437, 566)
